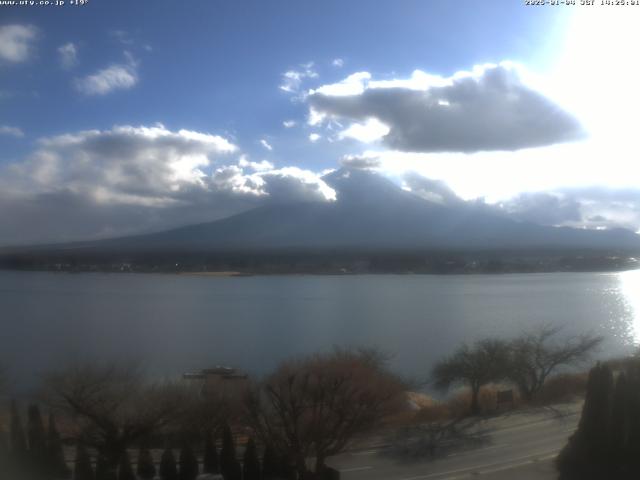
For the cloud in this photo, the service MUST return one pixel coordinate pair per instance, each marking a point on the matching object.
(366, 161)
(289, 123)
(134, 179)
(261, 166)
(115, 77)
(590, 207)
(337, 62)
(16, 42)
(13, 131)
(266, 144)
(489, 108)
(544, 208)
(433, 190)
(314, 137)
(369, 131)
(292, 79)
(68, 54)
(122, 36)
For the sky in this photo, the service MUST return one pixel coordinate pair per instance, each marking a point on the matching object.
(120, 117)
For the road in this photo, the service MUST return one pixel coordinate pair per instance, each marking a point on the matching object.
(520, 446)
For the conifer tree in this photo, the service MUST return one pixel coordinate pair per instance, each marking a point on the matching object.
(168, 468)
(188, 464)
(18, 442)
(228, 453)
(57, 466)
(104, 471)
(82, 468)
(38, 461)
(125, 470)
(270, 465)
(146, 468)
(251, 463)
(211, 463)
(235, 471)
(597, 450)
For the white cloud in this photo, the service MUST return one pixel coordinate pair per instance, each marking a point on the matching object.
(122, 37)
(292, 79)
(16, 42)
(129, 179)
(369, 131)
(115, 77)
(338, 62)
(365, 161)
(13, 131)
(354, 84)
(488, 108)
(261, 166)
(68, 54)
(289, 123)
(314, 137)
(266, 144)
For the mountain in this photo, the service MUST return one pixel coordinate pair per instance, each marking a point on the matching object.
(370, 213)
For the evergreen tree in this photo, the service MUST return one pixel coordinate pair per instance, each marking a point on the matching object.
(597, 449)
(228, 453)
(83, 469)
(146, 468)
(38, 461)
(188, 464)
(103, 470)
(211, 463)
(619, 429)
(270, 464)
(57, 466)
(235, 471)
(251, 463)
(168, 468)
(125, 470)
(18, 440)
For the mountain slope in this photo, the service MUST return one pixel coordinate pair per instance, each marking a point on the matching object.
(371, 213)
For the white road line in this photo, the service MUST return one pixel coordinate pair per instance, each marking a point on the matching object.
(355, 469)
(529, 458)
(474, 450)
(368, 452)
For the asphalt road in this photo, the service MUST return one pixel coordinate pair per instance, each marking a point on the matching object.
(520, 446)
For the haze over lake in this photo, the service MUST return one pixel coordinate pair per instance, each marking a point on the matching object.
(174, 323)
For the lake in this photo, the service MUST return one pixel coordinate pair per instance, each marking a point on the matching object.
(177, 323)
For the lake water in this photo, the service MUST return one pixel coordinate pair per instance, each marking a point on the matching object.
(177, 323)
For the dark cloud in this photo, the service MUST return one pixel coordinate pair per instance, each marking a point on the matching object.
(490, 109)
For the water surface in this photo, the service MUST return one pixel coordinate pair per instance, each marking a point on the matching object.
(176, 323)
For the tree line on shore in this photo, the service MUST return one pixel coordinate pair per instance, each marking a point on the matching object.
(526, 361)
(308, 409)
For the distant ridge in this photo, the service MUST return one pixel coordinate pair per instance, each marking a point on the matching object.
(370, 214)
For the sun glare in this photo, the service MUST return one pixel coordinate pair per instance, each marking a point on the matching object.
(630, 289)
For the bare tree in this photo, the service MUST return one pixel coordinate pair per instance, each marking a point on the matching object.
(535, 355)
(111, 406)
(314, 407)
(475, 366)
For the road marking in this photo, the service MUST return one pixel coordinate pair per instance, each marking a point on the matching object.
(356, 469)
(475, 469)
(473, 450)
(368, 452)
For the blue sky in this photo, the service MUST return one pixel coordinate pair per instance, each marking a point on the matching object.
(219, 69)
